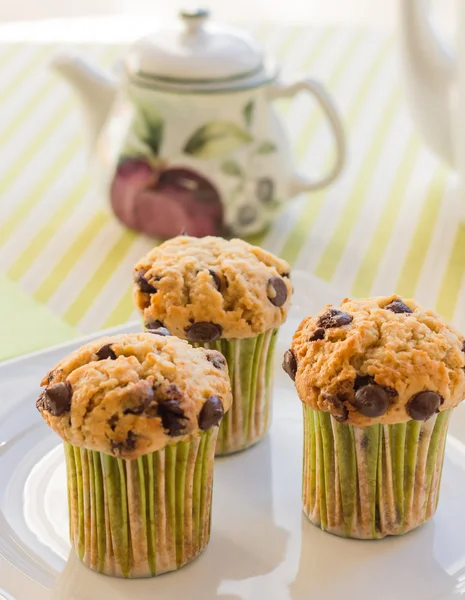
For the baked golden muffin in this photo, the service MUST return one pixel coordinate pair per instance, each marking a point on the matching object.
(225, 295)
(139, 417)
(378, 379)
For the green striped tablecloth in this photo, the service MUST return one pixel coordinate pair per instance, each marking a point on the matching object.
(390, 223)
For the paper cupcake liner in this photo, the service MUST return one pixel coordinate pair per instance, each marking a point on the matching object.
(369, 482)
(250, 363)
(142, 517)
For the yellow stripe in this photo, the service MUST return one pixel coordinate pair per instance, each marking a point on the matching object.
(356, 200)
(46, 233)
(39, 190)
(448, 294)
(20, 166)
(24, 113)
(316, 117)
(318, 48)
(284, 107)
(9, 53)
(97, 282)
(381, 236)
(415, 259)
(21, 75)
(287, 43)
(122, 310)
(41, 137)
(52, 282)
(301, 229)
(366, 85)
(299, 233)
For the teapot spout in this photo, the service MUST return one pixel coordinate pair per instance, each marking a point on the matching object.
(96, 90)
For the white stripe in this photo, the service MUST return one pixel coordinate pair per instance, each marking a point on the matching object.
(439, 250)
(41, 212)
(54, 249)
(382, 179)
(32, 87)
(459, 313)
(85, 267)
(295, 119)
(115, 288)
(20, 60)
(318, 149)
(399, 243)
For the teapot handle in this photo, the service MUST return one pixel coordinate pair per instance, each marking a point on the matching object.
(300, 183)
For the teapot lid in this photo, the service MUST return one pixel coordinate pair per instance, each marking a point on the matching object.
(195, 51)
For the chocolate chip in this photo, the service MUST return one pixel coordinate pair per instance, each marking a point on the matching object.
(129, 444)
(172, 392)
(154, 325)
(113, 422)
(106, 352)
(40, 402)
(211, 414)
(371, 400)
(397, 306)
(336, 409)
(290, 364)
(318, 334)
(144, 286)
(286, 275)
(463, 348)
(277, 291)
(56, 399)
(422, 406)
(333, 318)
(131, 440)
(217, 359)
(51, 375)
(141, 400)
(172, 417)
(160, 331)
(362, 380)
(203, 332)
(216, 279)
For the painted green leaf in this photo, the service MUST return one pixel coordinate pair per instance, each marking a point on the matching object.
(216, 139)
(231, 167)
(248, 112)
(149, 130)
(266, 147)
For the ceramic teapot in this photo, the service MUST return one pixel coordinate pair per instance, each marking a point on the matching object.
(435, 81)
(188, 138)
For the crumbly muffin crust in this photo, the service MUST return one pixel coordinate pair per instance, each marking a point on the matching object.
(377, 360)
(129, 395)
(202, 289)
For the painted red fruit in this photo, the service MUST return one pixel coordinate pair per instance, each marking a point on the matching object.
(163, 203)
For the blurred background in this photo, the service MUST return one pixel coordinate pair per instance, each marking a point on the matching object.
(379, 13)
(391, 222)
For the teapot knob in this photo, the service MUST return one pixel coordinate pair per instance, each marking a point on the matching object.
(194, 19)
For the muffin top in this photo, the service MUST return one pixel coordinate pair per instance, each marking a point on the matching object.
(378, 360)
(129, 395)
(203, 289)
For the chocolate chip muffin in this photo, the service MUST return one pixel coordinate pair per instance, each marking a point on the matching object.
(228, 296)
(378, 379)
(139, 416)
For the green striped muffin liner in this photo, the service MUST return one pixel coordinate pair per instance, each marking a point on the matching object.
(250, 363)
(370, 482)
(142, 517)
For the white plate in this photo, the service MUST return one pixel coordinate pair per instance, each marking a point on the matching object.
(261, 548)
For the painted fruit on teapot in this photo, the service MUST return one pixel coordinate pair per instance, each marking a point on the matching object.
(190, 140)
